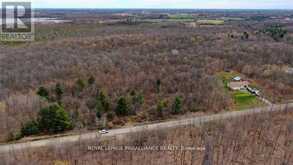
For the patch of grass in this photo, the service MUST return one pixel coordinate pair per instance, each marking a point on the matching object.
(245, 100)
(211, 22)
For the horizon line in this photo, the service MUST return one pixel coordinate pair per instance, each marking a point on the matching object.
(162, 8)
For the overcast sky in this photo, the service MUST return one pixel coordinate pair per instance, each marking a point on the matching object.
(194, 4)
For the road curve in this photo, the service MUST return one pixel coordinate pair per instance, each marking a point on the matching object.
(120, 132)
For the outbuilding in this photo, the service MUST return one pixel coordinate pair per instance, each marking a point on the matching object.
(237, 78)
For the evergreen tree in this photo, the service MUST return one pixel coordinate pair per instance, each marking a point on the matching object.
(91, 80)
(161, 106)
(122, 108)
(30, 128)
(43, 92)
(177, 105)
(80, 84)
(158, 85)
(277, 32)
(104, 100)
(99, 109)
(59, 91)
(54, 119)
(98, 114)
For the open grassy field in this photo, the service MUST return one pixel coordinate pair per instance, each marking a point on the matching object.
(244, 100)
(211, 22)
(181, 16)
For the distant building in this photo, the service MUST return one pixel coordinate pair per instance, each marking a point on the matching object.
(237, 78)
(239, 85)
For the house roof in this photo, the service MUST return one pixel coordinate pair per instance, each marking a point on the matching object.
(239, 84)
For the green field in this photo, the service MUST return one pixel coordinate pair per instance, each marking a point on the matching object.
(211, 22)
(245, 100)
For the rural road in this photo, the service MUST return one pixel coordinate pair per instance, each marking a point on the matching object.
(123, 131)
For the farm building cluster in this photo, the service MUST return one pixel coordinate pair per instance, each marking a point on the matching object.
(237, 83)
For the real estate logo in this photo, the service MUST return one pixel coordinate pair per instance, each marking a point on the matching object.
(16, 21)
